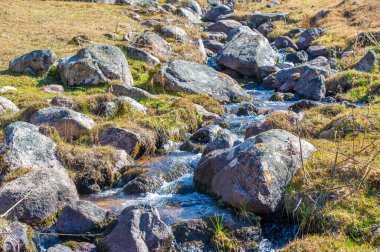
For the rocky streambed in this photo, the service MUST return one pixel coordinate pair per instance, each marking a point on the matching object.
(174, 194)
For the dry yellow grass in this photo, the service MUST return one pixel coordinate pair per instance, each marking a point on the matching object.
(27, 25)
(344, 22)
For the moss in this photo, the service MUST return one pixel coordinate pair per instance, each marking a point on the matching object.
(14, 174)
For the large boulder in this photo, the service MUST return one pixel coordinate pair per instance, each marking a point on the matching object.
(256, 19)
(155, 44)
(307, 80)
(308, 36)
(139, 229)
(95, 65)
(80, 217)
(224, 26)
(247, 52)
(25, 147)
(367, 63)
(218, 12)
(7, 106)
(190, 77)
(133, 92)
(70, 124)
(254, 173)
(122, 139)
(36, 62)
(46, 192)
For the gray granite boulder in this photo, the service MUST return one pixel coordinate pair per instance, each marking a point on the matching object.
(367, 63)
(80, 217)
(70, 124)
(247, 52)
(36, 62)
(95, 65)
(190, 77)
(254, 173)
(24, 146)
(139, 229)
(49, 191)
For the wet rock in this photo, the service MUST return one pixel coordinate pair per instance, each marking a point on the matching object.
(155, 44)
(219, 36)
(16, 238)
(218, 12)
(194, 233)
(224, 140)
(367, 63)
(247, 109)
(304, 105)
(247, 52)
(142, 55)
(139, 229)
(256, 19)
(175, 32)
(59, 248)
(62, 101)
(44, 199)
(278, 96)
(132, 103)
(122, 139)
(224, 26)
(254, 173)
(269, 82)
(308, 36)
(80, 217)
(285, 42)
(36, 62)
(130, 91)
(143, 183)
(266, 28)
(7, 89)
(213, 45)
(201, 138)
(206, 115)
(24, 146)
(54, 89)
(189, 15)
(311, 88)
(316, 51)
(237, 32)
(95, 65)
(190, 77)
(7, 106)
(70, 124)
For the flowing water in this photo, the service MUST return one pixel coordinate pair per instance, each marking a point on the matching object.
(178, 200)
